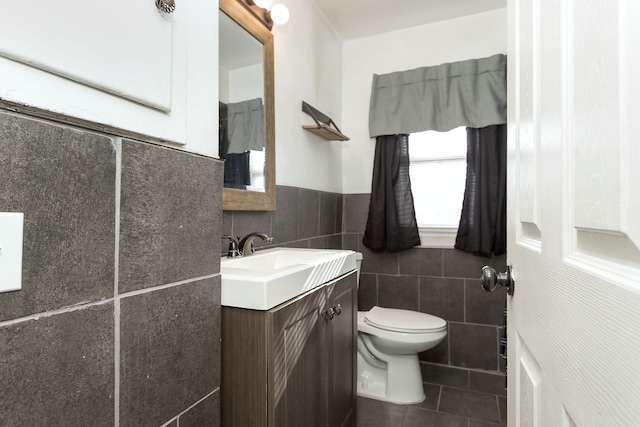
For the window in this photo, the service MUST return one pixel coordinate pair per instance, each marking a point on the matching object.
(256, 171)
(438, 170)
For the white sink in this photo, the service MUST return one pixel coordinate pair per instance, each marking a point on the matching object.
(272, 276)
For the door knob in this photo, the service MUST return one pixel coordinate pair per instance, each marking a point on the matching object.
(490, 279)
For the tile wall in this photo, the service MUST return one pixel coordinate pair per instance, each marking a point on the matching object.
(117, 322)
(304, 219)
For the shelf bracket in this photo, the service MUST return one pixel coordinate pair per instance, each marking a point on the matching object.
(323, 126)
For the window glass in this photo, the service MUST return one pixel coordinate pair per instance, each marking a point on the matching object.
(256, 170)
(438, 173)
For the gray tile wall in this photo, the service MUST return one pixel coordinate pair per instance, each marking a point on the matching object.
(303, 218)
(442, 282)
(118, 319)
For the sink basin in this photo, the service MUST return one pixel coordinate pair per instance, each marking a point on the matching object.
(270, 277)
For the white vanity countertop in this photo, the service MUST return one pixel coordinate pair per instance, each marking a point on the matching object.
(270, 277)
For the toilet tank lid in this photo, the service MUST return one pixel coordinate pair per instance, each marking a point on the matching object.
(394, 319)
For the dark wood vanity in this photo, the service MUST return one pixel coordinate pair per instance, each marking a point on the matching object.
(295, 364)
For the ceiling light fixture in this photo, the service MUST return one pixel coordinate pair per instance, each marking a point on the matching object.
(279, 13)
(266, 13)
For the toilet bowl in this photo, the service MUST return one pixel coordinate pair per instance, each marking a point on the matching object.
(389, 341)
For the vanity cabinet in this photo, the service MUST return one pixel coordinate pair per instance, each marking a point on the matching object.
(295, 364)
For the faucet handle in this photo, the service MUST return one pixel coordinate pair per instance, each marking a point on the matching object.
(233, 251)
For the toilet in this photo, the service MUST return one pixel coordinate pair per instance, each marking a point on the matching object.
(389, 341)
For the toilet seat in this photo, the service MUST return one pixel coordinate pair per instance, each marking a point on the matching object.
(405, 321)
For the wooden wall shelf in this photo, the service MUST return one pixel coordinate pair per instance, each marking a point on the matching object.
(323, 126)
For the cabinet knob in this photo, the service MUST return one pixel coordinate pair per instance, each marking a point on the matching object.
(338, 309)
(329, 313)
(166, 6)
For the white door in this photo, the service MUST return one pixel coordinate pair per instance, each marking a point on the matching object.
(574, 213)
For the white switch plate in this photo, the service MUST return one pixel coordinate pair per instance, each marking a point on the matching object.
(11, 226)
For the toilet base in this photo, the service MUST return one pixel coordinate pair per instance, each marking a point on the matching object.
(377, 391)
(373, 384)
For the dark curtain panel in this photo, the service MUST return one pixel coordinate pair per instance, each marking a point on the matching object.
(223, 140)
(391, 224)
(483, 227)
(237, 173)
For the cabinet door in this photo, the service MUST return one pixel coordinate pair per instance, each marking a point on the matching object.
(76, 39)
(298, 381)
(121, 64)
(245, 359)
(341, 357)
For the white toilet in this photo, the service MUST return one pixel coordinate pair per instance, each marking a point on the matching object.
(389, 341)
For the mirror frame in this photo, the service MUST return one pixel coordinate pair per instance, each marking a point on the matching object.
(234, 199)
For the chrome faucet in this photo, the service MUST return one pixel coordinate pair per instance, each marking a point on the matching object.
(246, 244)
(233, 247)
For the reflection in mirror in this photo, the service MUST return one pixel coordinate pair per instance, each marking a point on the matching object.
(246, 138)
(241, 92)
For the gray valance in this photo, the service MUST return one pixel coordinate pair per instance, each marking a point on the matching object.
(469, 93)
(245, 126)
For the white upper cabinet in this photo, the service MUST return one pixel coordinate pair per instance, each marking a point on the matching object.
(122, 64)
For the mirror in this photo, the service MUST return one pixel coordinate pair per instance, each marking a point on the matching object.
(246, 99)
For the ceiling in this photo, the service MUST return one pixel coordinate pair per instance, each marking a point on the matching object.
(361, 18)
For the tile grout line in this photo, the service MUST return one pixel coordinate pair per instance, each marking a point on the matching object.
(464, 300)
(55, 312)
(320, 216)
(89, 304)
(116, 303)
(177, 417)
(419, 299)
(298, 214)
(404, 416)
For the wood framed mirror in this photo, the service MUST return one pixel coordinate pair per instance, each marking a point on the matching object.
(235, 25)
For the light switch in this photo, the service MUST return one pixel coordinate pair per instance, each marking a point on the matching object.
(11, 226)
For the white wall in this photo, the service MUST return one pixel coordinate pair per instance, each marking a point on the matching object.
(246, 83)
(474, 36)
(308, 67)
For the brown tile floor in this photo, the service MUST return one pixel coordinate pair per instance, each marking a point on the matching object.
(443, 407)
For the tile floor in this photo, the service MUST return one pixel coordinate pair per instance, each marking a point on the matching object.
(443, 407)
